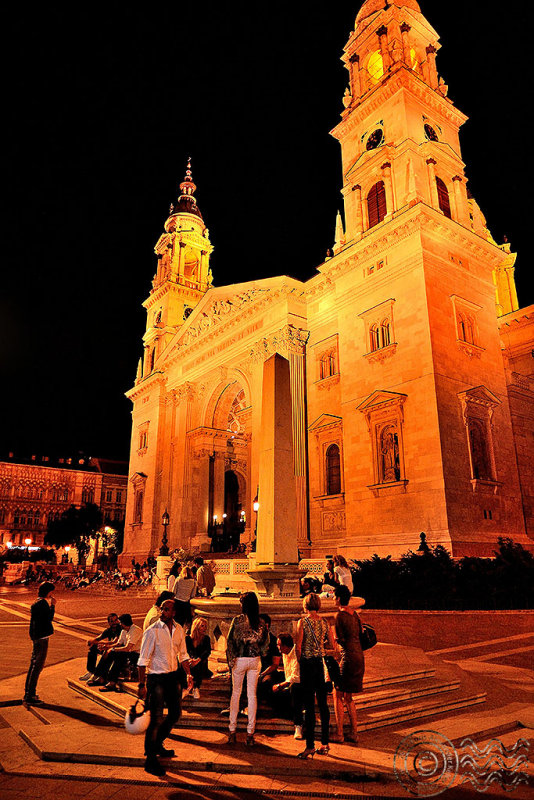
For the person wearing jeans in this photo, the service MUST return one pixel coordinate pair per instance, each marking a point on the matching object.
(247, 642)
(41, 629)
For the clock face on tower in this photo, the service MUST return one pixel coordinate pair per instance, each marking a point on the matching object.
(430, 133)
(375, 139)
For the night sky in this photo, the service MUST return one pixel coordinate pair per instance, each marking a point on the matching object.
(104, 104)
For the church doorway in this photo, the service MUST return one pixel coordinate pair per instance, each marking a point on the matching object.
(234, 524)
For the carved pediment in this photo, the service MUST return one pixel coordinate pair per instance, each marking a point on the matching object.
(480, 395)
(381, 399)
(325, 421)
(138, 480)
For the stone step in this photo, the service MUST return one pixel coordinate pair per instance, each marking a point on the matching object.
(483, 724)
(392, 713)
(212, 754)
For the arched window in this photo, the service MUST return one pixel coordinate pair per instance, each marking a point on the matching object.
(385, 333)
(327, 365)
(376, 204)
(443, 197)
(466, 329)
(333, 470)
(374, 338)
(375, 66)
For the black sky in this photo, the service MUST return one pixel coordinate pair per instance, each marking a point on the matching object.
(104, 104)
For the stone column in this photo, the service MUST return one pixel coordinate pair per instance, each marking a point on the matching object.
(298, 413)
(388, 185)
(460, 197)
(431, 163)
(405, 29)
(181, 254)
(383, 42)
(355, 86)
(276, 571)
(431, 66)
(357, 190)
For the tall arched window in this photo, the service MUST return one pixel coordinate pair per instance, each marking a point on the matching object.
(480, 461)
(385, 333)
(374, 338)
(333, 470)
(376, 204)
(443, 197)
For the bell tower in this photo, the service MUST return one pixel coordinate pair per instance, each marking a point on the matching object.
(399, 132)
(183, 274)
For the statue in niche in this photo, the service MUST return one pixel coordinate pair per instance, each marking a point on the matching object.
(389, 455)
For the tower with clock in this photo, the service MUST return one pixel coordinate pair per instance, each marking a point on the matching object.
(411, 384)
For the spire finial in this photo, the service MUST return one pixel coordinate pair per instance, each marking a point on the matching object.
(187, 186)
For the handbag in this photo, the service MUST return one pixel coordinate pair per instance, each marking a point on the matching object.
(330, 665)
(367, 636)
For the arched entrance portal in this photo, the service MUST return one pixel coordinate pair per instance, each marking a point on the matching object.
(234, 522)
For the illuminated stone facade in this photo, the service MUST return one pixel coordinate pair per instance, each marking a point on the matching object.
(411, 366)
(32, 491)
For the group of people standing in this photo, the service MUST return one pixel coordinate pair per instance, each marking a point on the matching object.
(305, 672)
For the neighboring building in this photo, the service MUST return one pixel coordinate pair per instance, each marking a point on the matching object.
(35, 490)
(411, 365)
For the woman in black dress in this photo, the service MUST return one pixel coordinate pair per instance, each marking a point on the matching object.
(352, 666)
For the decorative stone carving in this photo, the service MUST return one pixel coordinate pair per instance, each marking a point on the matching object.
(333, 521)
(288, 339)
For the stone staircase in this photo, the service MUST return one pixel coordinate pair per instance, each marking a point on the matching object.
(405, 691)
(396, 690)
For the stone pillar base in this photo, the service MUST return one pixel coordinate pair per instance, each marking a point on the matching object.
(164, 564)
(277, 580)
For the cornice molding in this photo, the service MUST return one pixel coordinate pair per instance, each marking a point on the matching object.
(401, 78)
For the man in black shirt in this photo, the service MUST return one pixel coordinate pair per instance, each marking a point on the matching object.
(41, 629)
(111, 634)
(270, 665)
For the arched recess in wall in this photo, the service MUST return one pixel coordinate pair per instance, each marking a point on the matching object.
(221, 398)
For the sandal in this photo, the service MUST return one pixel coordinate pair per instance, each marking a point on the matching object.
(323, 750)
(309, 752)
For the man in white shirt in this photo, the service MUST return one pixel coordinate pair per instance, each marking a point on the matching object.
(163, 651)
(292, 680)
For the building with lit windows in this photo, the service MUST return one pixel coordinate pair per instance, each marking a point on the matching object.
(35, 490)
(412, 377)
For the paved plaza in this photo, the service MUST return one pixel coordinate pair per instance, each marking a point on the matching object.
(76, 745)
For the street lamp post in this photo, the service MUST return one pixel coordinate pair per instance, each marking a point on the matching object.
(164, 549)
(28, 542)
(256, 508)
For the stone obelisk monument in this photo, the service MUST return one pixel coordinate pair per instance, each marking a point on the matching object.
(276, 572)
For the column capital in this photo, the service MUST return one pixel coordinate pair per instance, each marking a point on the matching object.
(382, 31)
(354, 58)
(405, 28)
(386, 165)
(431, 49)
(458, 178)
(430, 161)
(182, 244)
(356, 187)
